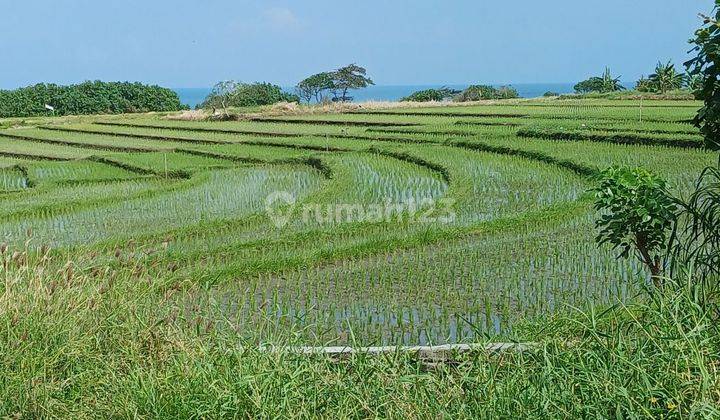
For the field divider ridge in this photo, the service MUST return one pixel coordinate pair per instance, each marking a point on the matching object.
(133, 135)
(200, 129)
(629, 139)
(92, 146)
(580, 169)
(333, 122)
(407, 157)
(30, 156)
(139, 170)
(314, 162)
(267, 133)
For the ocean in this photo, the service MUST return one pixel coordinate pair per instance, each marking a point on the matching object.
(194, 96)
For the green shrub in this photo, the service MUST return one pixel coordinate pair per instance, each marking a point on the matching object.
(431, 95)
(87, 98)
(480, 92)
(506, 92)
(644, 85)
(233, 94)
(603, 84)
(593, 84)
(550, 94)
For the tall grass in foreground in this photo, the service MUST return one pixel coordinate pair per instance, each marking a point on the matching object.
(85, 340)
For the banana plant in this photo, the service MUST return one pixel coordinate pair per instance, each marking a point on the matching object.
(666, 78)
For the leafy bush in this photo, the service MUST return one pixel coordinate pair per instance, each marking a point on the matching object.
(87, 98)
(431, 95)
(637, 214)
(644, 85)
(550, 94)
(593, 84)
(605, 83)
(233, 94)
(506, 92)
(707, 66)
(480, 92)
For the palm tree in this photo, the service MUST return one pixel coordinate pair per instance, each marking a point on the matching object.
(666, 78)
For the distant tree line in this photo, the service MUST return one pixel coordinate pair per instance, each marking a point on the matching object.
(87, 98)
(333, 86)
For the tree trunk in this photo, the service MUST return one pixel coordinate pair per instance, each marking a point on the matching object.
(654, 264)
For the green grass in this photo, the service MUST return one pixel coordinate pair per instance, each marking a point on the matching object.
(163, 271)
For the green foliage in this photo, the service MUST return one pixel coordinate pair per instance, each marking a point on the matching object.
(506, 92)
(476, 93)
(428, 95)
(707, 66)
(87, 98)
(604, 84)
(550, 94)
(593, 84)
(315, 87)
(480, 92)
(637, 213)
(221, 95)
(644, 85)
(337, 83)
(233, 94)
(694, 82)
(665, 78)
(695, 243)
(349, 78)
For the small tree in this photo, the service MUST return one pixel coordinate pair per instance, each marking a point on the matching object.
(707, 65)
(666, 78)
(347, 78)
(315, 86)
(221, 96)
(637, 214)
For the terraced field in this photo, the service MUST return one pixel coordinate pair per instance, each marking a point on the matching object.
(423, 225)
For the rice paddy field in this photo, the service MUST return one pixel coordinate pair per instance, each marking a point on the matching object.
(153, 267)
(399, 226)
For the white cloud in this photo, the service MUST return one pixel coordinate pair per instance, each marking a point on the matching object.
(282, 18)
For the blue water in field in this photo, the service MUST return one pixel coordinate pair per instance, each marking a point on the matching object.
(194, 96)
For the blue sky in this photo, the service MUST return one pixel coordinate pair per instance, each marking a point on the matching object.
(181, 43)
